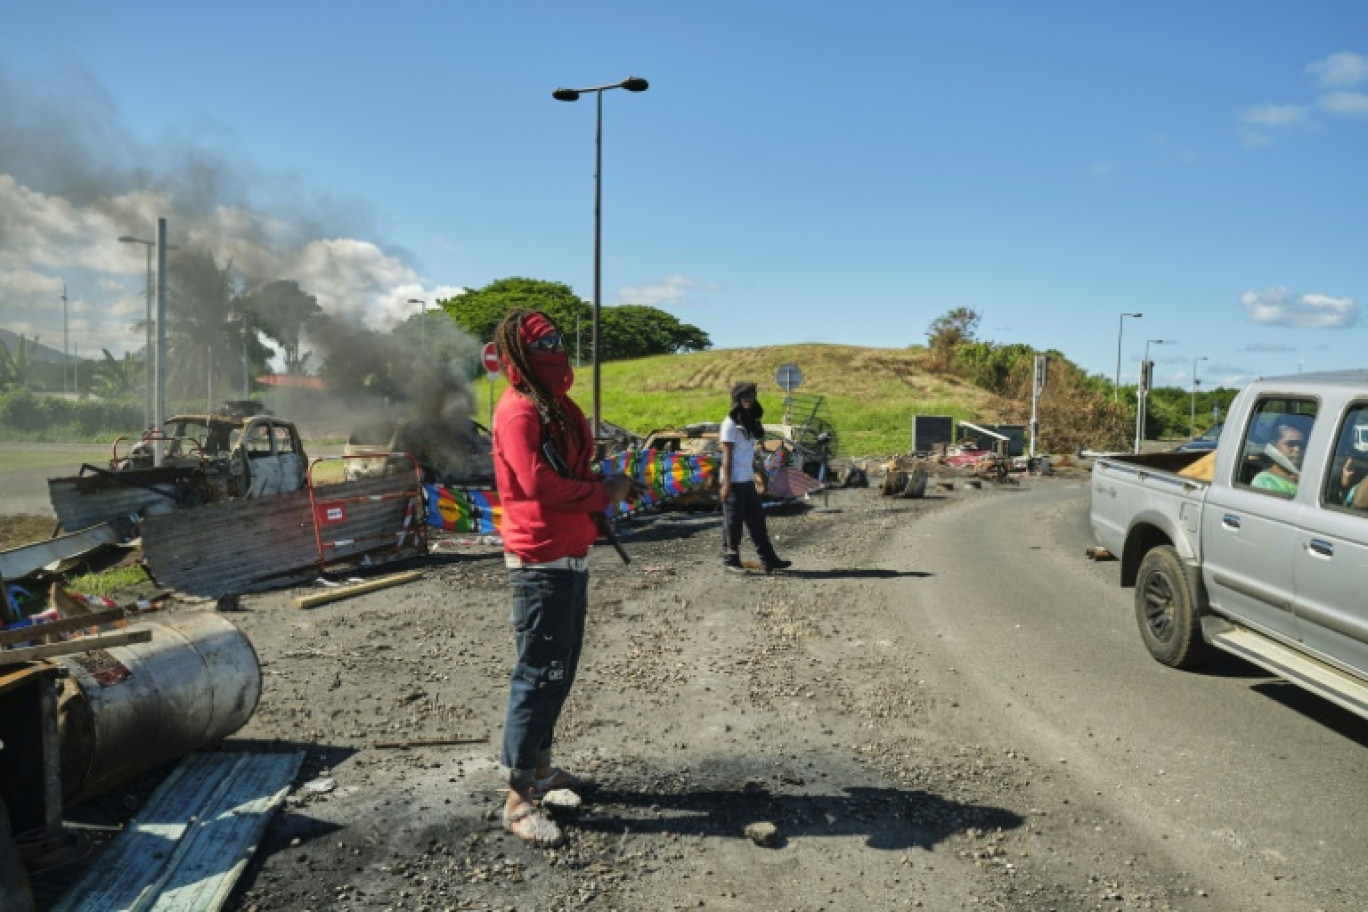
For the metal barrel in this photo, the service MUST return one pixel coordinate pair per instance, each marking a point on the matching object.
(129, 709)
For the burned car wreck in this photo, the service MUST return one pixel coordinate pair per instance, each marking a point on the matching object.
(238, 451)
(449, 452)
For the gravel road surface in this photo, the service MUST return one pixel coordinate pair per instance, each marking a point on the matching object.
(943, 706)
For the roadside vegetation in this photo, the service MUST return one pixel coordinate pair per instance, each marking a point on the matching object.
(657, 372)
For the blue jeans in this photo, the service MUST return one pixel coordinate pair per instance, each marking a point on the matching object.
(549, 611)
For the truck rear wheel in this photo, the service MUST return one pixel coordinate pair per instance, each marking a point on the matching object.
(1167, 611)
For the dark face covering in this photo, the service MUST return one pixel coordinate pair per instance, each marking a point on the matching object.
(748, 417)
(553, 370)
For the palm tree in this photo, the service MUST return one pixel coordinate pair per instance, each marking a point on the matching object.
(17, 366)
(210, 326)
(115, 378)
(283, 310)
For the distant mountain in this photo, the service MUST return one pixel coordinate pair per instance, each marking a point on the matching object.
(42, 353)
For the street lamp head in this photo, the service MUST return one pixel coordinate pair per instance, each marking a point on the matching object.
(635, 84)
(417, 301)
(128, 239)
(565, 95)
(1133, 315)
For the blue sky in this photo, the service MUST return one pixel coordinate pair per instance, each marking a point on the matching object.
(797, 171)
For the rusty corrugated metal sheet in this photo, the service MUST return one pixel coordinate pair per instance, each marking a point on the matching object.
(268, 542)
(82, 501)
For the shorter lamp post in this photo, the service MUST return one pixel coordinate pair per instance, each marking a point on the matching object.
(1142, 391)
(1192, 410)
(1120, 325)
(147, 354)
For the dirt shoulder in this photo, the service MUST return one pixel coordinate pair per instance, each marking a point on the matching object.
(706, 702)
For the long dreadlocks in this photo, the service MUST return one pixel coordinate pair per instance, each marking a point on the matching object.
(518, 369)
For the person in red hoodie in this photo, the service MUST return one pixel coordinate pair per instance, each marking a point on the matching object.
(543, 448)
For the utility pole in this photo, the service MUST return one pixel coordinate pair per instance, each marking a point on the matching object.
(1037, 387)
(66, 351)
(160, 417)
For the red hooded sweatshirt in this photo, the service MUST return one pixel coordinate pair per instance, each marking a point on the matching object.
(546, 516)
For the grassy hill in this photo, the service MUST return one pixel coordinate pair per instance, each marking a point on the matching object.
(870, 394)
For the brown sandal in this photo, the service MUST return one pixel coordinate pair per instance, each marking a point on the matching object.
(534, 826)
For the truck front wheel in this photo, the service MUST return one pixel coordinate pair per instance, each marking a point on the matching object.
(1167, 611)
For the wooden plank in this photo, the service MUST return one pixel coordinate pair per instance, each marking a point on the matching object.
(71, 647)
(65, 625)
(333, 595)
(428, 742)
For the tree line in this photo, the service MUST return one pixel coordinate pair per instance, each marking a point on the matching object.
(224, 329)
(1080, 409)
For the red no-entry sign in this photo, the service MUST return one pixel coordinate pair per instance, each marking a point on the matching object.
(490, 357)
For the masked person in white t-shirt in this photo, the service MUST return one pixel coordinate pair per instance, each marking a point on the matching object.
(741, 429)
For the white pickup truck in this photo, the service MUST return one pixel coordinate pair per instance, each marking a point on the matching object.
(1259, 548)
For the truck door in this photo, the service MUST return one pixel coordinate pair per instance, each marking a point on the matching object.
(1330, 559)
(263, 464)
(1250, 522)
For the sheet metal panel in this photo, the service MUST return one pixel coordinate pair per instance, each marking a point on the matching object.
(82, 501)
(17, 563)
(268, 542)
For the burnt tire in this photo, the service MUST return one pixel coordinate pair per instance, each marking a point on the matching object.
(1167, 612)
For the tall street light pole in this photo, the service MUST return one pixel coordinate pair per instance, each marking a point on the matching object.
(631, 84)
(1120, 325)
(422, 321)
(147, 408)
(1142, 391)
(1192, 411)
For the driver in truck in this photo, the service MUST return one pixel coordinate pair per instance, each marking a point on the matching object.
(1281, 476)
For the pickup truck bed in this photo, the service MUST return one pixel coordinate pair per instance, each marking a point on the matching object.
(1258, 548)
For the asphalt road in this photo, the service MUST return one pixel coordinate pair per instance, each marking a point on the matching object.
(23, 489)
(1250, 783)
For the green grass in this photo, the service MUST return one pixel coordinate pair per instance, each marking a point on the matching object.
(108, 582)
(13, 458)
(870, 395)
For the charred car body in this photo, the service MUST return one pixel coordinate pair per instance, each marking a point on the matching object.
(239, 451)
(448, 452)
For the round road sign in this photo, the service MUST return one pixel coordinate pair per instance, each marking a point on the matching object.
(490, 357)
(789, 377)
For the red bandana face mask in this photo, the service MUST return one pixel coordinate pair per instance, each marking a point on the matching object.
(552, 368)
(554, 371)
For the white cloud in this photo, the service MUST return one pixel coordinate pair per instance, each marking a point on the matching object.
(1264, 348)
(1103, 169)
(671, 289)
(1341, 69)
(48, 242)
(1257, 122)
(1278, 306)
(356, 280)
(1275, 116)
(1351, 104)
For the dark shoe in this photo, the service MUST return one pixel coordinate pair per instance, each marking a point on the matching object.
(732, 565)
(776, 564)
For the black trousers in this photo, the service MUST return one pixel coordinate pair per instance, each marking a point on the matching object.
(743, 506)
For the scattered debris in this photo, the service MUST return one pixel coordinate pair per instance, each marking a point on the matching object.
(333, 595)
(190, 843)
(428, 742)
(763, 833)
